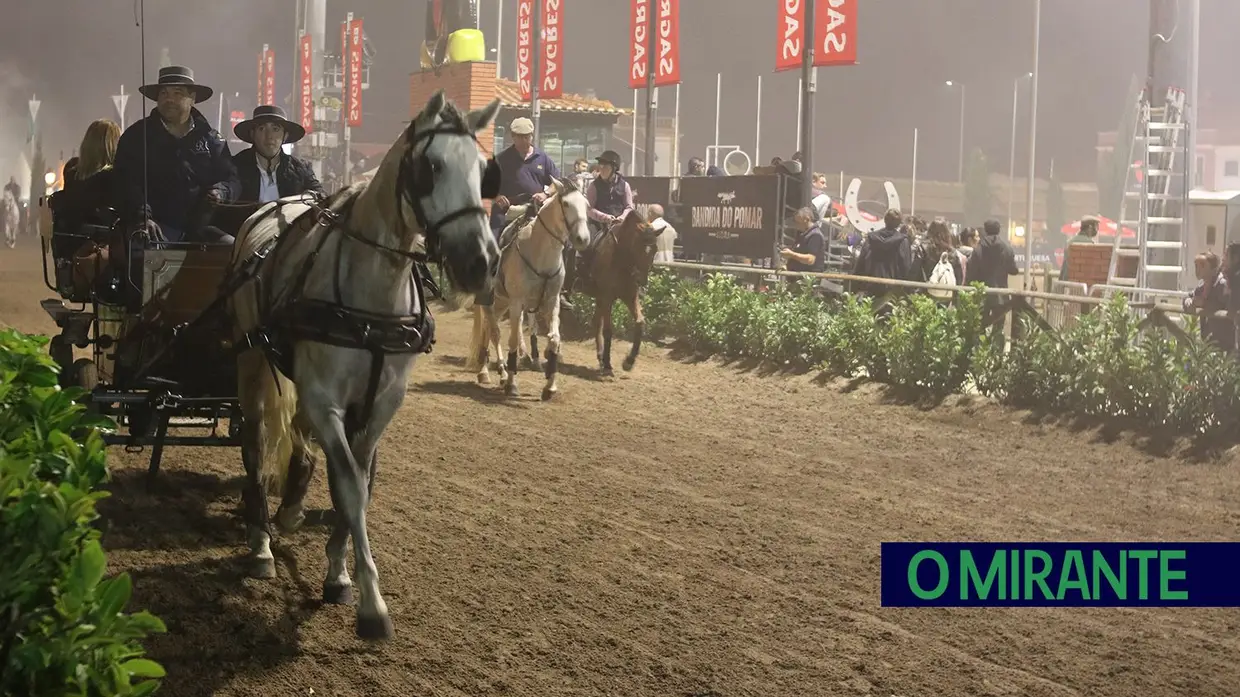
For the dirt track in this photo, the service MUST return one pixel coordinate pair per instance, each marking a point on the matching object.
(687, 529)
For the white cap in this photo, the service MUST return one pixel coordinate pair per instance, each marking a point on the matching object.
(521, 126)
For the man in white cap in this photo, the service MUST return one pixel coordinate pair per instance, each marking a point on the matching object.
(525, 172)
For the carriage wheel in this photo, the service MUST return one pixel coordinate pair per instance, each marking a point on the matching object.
(61, 351)
(86, 374)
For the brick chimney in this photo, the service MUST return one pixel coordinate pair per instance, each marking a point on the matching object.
(468, 85)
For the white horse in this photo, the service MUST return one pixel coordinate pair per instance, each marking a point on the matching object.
(10, 217)
(333, 315)
(531, 274)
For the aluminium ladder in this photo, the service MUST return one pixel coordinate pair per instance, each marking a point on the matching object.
(1150, 205)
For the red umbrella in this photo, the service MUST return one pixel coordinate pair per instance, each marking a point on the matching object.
(1106, 228)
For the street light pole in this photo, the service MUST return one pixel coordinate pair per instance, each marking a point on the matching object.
(960, 165)
(1033, 139)
(1012, 159)
(809, 87)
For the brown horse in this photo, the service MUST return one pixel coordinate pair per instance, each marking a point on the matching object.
(617, 268)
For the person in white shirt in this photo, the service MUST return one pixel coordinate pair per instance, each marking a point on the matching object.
(666, 240)
(267, 172)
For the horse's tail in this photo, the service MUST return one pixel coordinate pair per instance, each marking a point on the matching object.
(269, 402)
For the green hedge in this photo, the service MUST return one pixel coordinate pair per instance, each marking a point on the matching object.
(1101, 367)
(62, 630)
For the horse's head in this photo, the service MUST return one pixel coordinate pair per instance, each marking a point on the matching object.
(635, 240)
(442, 180)
(575, 207)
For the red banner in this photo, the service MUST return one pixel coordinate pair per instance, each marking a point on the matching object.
(668, 38)
(791, 34)
(639, 41)
(262, 72)
(355, 72)
(835, 30)
(525, 47)
(552, 35)
(269, 79)
(234, 118)
(307, 83)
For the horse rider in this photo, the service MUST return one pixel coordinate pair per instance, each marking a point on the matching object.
(525, 174)
(172, 167)
(266, 172)
(582, 176)
(697, 167)
(610, 198)
(14, 188)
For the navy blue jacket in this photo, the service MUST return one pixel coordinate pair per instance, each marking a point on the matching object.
(179, 172)
(520, 178)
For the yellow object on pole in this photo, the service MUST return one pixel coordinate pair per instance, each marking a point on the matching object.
(467, 46)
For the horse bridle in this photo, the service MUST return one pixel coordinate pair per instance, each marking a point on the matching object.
(415, 181)
(516, 243)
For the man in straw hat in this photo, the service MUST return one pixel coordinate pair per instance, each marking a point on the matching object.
(184, 169)
(266, 172)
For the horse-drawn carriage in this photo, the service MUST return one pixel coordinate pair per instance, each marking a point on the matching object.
(150, 316)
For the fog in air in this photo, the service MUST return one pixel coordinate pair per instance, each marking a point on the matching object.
(866, 114)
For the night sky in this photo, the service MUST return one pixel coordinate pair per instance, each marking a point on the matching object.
(76, 53)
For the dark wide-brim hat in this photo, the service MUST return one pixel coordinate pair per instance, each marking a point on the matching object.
(177, 76)
(609, 157)
(293, 131)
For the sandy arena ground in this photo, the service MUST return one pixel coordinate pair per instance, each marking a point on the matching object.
(689, 529)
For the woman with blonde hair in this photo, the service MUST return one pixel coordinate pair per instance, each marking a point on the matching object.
(88, 194)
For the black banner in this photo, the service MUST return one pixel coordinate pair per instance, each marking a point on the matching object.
(650, 190)
(729, 216)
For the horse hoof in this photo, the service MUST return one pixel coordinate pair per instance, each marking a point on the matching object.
(262, 568)
(547, 393)
(606, 372)
(536, 366)
(289, 522)
(374, 628)
(510, 389)
(531, 363)
(628, 364)
(484, 379)
(337, 595)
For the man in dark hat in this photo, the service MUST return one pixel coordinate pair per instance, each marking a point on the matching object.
(184, 169)
(611, 198)
(265, 171)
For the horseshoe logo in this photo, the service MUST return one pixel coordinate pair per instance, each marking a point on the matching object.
(854, 212)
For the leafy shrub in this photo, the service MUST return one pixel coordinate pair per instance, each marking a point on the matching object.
(1105, 365)
(61, 627)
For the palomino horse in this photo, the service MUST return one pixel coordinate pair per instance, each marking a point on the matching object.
(531, 274)
(333, 314)
(10, 218)
(619, 268)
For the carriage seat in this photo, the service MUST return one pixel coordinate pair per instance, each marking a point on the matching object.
(80, 250)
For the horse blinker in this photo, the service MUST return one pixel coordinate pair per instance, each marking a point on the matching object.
(491, 179)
